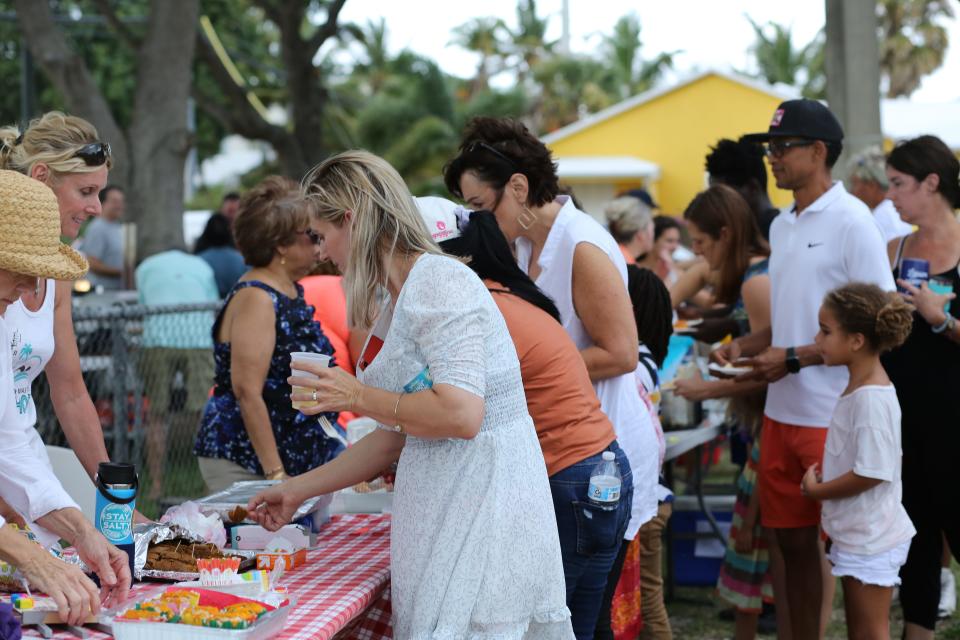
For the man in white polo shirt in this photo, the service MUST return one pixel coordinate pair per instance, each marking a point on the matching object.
(825, 240)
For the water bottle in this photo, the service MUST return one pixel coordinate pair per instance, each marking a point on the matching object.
(605, 482)
(412, 363)
(116, 501)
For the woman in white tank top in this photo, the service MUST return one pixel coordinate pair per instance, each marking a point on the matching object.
(503, 168)
(63, 152)
(27, 481)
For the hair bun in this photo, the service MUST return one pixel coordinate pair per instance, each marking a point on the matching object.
(894, 322)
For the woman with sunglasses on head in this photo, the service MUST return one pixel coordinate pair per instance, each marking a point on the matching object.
(250, 430)
(65, 153)
(474, 546)
(925, 370)
(503, 168)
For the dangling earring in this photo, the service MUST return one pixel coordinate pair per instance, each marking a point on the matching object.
(283, 260)
(527, 219)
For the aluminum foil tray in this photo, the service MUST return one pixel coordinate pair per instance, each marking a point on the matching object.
(239, 493)
(249, 562)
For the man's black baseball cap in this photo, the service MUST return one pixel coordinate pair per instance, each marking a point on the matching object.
(801, 119)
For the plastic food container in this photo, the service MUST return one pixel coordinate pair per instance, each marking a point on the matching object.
(268, 626)
(267, 561)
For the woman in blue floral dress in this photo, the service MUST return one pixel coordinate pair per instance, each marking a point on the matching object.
(250, 430)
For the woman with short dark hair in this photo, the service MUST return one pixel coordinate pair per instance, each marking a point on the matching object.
(250, 429)
(505, 169)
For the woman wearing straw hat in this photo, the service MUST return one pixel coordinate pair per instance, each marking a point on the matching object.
(65, 153)
(30, 249)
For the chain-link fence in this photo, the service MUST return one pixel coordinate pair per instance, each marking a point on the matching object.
(149, 371)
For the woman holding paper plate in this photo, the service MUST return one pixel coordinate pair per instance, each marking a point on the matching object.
(249, 429)
(474, 545)
(726, 235)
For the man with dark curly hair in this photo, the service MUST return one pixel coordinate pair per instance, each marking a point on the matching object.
(739, 164)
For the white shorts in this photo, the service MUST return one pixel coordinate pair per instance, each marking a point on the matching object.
(881, 569)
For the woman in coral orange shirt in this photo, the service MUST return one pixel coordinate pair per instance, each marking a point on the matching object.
(572, 429)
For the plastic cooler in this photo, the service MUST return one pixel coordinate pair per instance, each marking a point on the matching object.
(696, 560)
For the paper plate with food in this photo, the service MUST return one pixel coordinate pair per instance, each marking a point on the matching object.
(687, 326)
(731, 369)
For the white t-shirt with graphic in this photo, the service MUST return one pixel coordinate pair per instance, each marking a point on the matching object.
(27, 481)
(31, 346)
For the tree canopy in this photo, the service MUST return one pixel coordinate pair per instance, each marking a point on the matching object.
(294, 75)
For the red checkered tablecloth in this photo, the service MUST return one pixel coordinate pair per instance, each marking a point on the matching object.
(343, 590)
(346, 573)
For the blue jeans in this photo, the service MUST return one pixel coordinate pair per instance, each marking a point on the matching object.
(590, 537)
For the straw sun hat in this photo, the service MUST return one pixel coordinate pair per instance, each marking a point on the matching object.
(30, 231)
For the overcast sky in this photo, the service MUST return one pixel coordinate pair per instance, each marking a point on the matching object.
(711, 33)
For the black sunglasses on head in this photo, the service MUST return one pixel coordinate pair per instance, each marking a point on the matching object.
(480, 145)
(94, 154)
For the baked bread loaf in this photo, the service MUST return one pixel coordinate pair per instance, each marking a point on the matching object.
(179, 555)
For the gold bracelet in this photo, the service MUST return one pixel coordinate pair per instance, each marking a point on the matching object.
(396, 418)
(273, 473)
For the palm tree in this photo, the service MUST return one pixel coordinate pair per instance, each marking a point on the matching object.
(777, 59)
(572, 86)
(528, 41)
(374, 68)
(622, 48)
(779, 62)
(484, 37)
(912, 41)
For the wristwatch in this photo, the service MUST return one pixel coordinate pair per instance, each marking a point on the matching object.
(948, 325)
(793, 361)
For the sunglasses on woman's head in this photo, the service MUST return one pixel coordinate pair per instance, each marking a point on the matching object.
(94, 154)
(479, 145)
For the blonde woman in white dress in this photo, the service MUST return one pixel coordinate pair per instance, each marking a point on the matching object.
(474, 549)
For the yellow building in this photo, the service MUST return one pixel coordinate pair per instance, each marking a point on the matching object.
(660, 139)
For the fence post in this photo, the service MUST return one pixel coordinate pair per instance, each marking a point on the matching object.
(118, 353)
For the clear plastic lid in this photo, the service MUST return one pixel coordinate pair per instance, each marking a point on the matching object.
(609, 456)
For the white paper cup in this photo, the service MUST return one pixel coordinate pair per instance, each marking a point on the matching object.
(313, 358)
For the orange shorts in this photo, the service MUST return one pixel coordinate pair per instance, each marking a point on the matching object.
(786, 451)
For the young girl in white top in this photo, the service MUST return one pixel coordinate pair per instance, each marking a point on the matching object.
(861, 486)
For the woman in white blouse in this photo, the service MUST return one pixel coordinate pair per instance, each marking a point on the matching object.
(474, 548)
